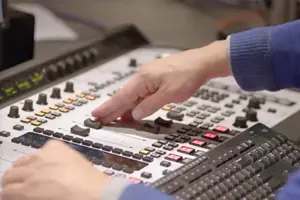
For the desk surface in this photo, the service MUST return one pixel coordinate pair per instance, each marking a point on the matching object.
(164, 22)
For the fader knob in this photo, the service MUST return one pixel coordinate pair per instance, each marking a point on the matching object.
(69, 87)
(254, 103)
(56, 93)
(28, 105)
(240, 122)
(132, 62)
(42, 99)
(251, 115)
(13, 112)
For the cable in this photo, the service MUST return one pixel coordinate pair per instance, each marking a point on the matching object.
(73, 17)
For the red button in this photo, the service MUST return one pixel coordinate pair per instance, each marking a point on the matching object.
(198, 142)
(174, 157)
(186, 150)
(135, 181)
(222, 129)
(209, 135)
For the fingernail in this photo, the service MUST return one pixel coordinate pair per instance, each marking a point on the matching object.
(137, 114)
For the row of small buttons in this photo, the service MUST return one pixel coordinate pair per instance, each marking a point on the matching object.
(95, 145)
(281, 101)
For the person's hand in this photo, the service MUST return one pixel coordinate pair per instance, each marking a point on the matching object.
(56, 172)
(172, 79)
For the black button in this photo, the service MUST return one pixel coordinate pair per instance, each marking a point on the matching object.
(162, 141)
(158, 145)
(165, 163)
(128, 170)
(97, 145)
(26, 142)
(175, 134)
(173, 144)
(168, 148)
(16, 140)
(155, 155)
(77, 130)
(106, 164)
(107, 148)
(137, 156)
(87, 142)
(166, 172)
(169, 138)
(180, 140)
(272, 110)
(92, 124)
(166, 123)
(117, 167)
(228, 105)
(18, 127)
(48, 132)
(161, 152)
(67, 137)
(77, 140)
(4, 133)
(117, 150)
(127, 153)
(148, 159)
(183, 130)
(57, 135)
(146, 175)
(97, 161)
(38, 129)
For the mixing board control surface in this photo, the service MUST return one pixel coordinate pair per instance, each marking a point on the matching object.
(141, 151)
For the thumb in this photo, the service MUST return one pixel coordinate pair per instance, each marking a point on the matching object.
(150, 105)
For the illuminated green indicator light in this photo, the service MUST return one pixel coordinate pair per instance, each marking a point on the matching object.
(36, 78)
(23, 85)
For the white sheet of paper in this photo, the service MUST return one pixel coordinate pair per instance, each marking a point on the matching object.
(48, 26)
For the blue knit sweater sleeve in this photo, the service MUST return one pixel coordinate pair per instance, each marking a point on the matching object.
(267, 58)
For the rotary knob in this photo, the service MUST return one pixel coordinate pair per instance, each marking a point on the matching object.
(251, 115)
(254, 103)
(52, 73)
(13, 112)
(87, 57)
(28, 105)
(56, 93)
(42, 99)
(240, 122)
(78, 61)
(69, 87)
(61, 69)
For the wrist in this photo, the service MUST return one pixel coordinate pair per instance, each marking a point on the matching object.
(214, 60)
(219, 61)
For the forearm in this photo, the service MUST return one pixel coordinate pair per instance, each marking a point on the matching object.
(266, 58)
(121, 189)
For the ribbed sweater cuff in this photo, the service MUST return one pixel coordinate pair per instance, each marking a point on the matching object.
(250, 60)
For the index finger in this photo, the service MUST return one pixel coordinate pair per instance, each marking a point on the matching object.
(125, 96)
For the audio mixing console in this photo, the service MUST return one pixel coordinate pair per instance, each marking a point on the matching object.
(54, 100)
